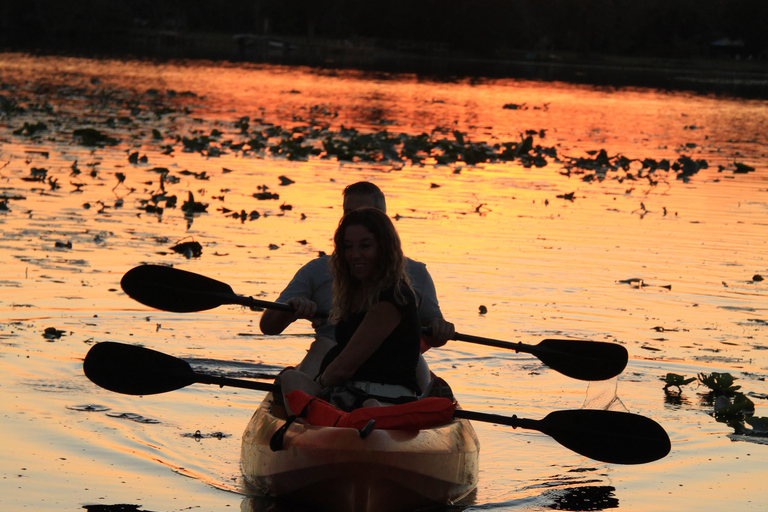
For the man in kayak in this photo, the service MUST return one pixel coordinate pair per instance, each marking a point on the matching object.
(310, 292)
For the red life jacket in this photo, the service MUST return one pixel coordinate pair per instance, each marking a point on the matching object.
(425, 413)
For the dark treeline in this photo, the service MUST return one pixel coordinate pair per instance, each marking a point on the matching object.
(484, 28)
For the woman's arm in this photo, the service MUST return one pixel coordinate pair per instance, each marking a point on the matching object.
(378, 323)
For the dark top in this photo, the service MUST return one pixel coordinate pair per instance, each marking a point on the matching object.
(394, 362)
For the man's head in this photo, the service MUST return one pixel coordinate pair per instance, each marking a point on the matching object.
(363, 194)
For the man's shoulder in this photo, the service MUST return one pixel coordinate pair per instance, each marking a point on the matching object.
(318, 264)
(312, 278)
(413, 266)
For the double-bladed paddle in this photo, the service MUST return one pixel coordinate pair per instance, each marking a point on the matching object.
(607, 436)
(179, 291)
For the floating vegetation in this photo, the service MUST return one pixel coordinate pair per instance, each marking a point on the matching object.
(36, 175)
(138, 418)
(188, 249)
(52, 333)
(719, 383)
(134, 158)
(759, 425)
(88, 408)
(29, 130)
(213, 435)
(675, 380)
(742, 168)
(93, 137)
(242, 216)
(149, 118)
(263, 196)
(191, 206)
(729, 405)
(638, 282)
(735, 407)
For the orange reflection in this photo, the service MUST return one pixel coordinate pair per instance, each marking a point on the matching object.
(614, 258)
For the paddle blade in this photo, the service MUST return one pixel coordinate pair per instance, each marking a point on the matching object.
(175, 290)
(133, 370)
(607, 436)
(583, 360)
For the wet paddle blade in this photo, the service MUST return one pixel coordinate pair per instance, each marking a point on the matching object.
(579, 359)
(607, 436)
(583, 360)
(175, 290)
(133, 370)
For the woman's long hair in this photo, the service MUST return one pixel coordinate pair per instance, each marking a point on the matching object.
(390, 269)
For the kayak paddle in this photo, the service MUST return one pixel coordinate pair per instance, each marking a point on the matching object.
(578, 359)
(171, 289)
(607, 436)
(134, 370)
(179, 291)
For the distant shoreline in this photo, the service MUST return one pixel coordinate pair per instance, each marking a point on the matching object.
(726, 76)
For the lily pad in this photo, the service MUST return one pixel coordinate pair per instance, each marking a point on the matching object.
(759, 425)
(741, 405)
(52, 333)
(189, 249)
(93, 137)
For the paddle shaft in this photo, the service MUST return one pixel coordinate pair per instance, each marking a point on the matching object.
(250, 302)
(490, 342)
(203, 378)
(510, 421)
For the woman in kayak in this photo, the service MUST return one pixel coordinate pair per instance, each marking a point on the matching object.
(378, 331)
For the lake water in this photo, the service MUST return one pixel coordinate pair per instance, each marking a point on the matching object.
(588, 246)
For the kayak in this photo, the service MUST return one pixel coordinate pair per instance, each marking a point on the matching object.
(344, 470)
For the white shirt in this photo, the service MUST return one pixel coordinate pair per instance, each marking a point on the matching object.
(314, 281)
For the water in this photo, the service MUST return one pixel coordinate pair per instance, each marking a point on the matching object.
(493, 234)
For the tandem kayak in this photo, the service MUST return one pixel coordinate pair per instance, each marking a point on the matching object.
(339, 470)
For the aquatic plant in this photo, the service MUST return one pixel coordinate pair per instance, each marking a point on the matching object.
(190, 206)
(134, 158)
(10, 106)
(52, 333)
(733, 407)
(759, 425)
(93, 137)
(719, 383)
(30, 130)
(189, 250)
(675, 380)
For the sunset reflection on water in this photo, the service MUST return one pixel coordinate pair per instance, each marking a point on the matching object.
(493, 234)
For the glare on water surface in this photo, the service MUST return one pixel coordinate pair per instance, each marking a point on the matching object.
(663, 263)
